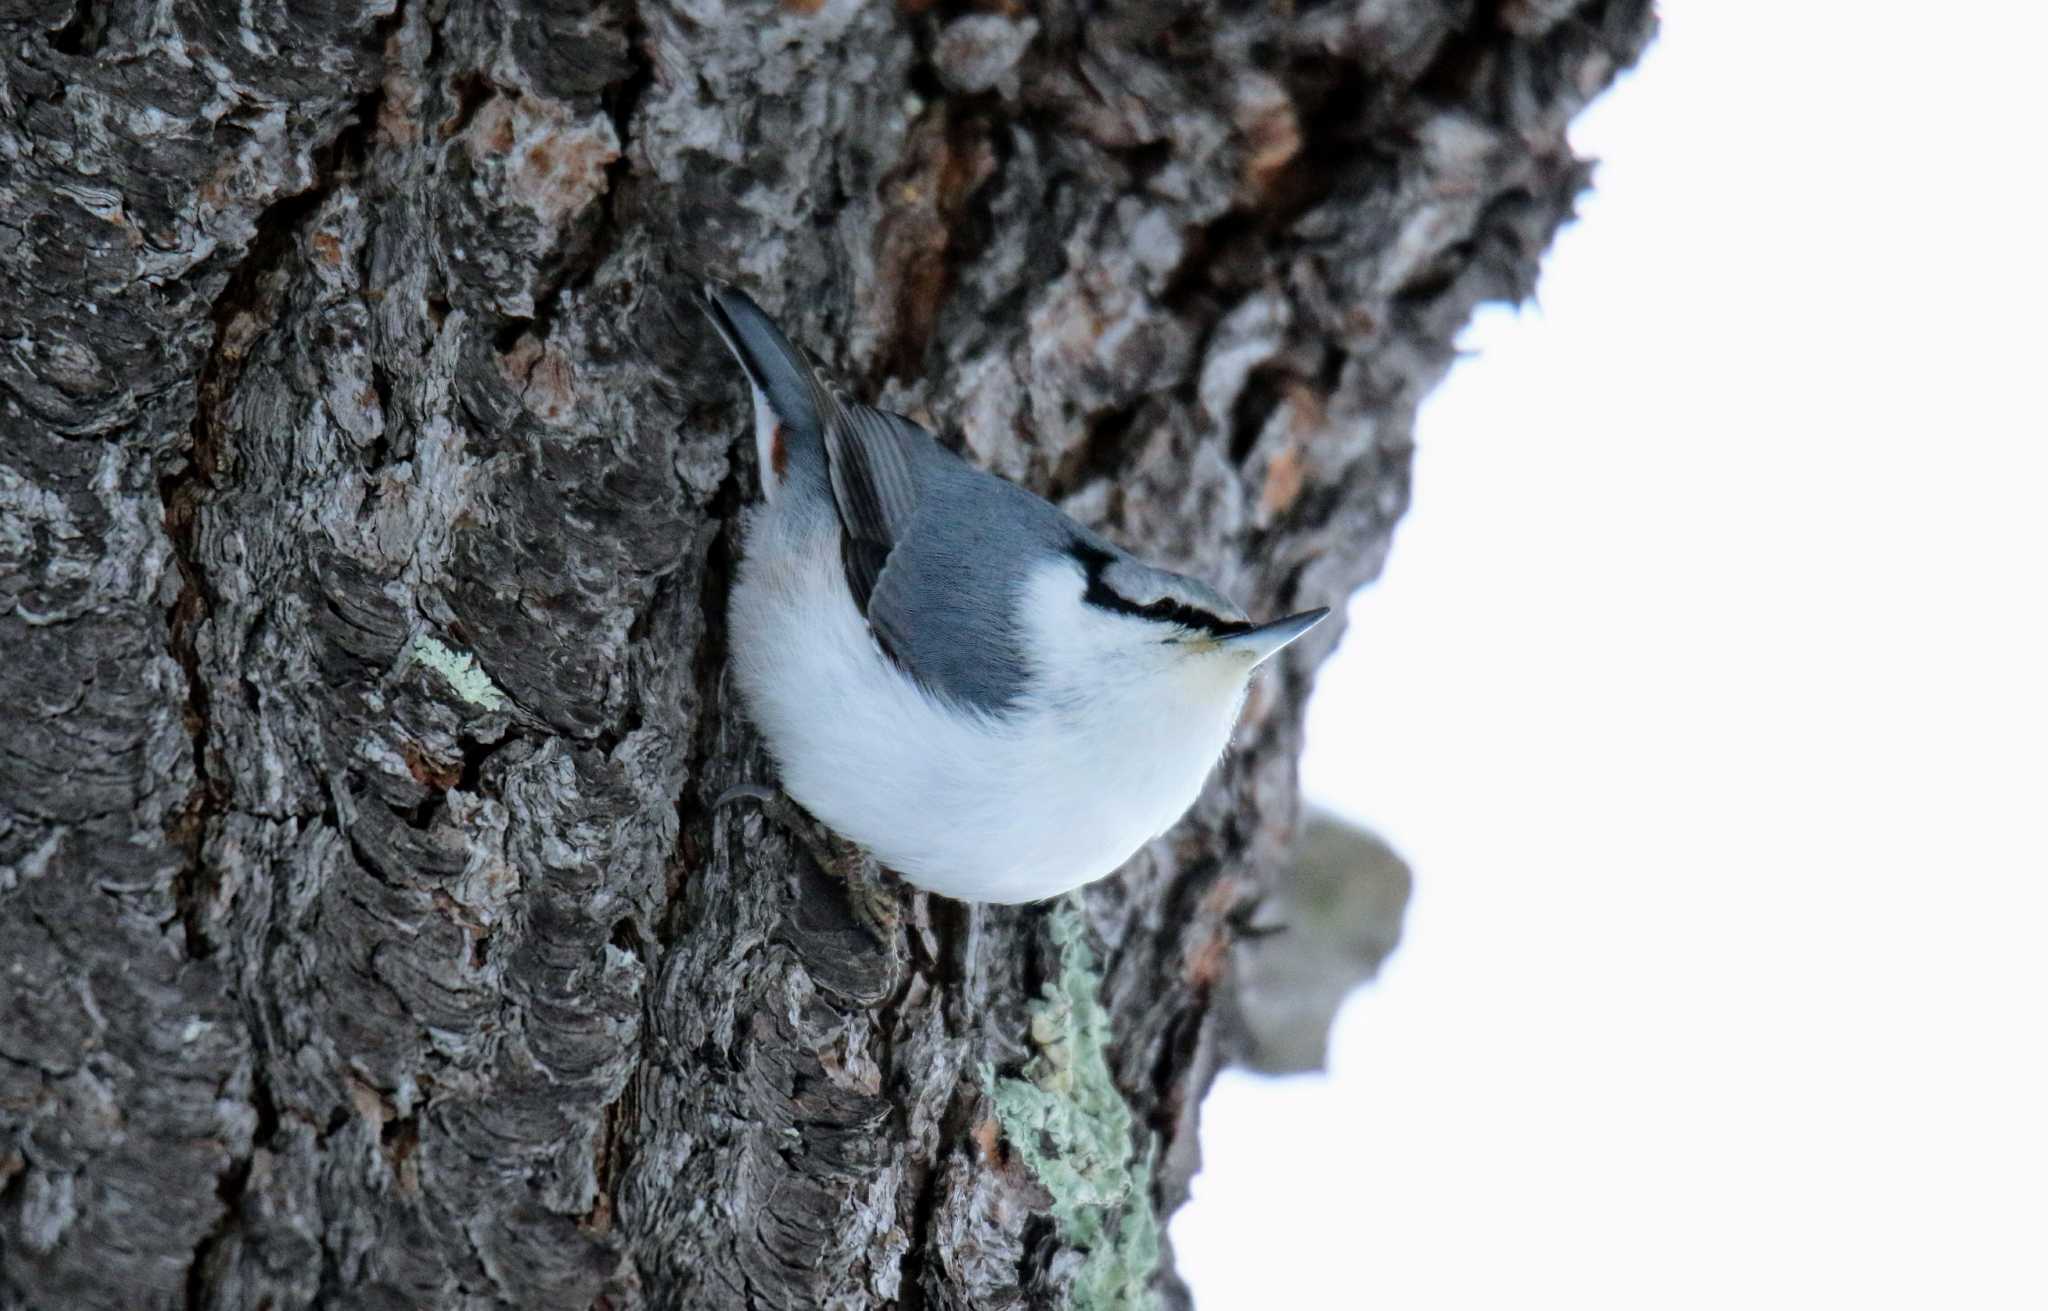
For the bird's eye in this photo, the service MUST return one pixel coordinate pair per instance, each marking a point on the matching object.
(1160, 609)
(1166, 610)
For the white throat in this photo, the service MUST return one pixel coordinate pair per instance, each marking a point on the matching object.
(1108, 749)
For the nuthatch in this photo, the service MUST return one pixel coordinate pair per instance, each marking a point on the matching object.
(989, 698)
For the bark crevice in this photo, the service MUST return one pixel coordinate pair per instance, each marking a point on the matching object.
(186, 489)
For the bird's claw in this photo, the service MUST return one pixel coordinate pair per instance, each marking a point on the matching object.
(872, 901)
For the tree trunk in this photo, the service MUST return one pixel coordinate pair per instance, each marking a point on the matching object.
(367, 504)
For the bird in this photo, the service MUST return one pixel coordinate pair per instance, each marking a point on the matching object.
(950, 673)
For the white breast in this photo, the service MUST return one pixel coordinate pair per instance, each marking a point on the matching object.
(1047, 798)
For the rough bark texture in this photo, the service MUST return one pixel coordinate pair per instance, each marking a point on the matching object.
(366, 503)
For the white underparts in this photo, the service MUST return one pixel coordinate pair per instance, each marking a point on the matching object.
(1111, 746)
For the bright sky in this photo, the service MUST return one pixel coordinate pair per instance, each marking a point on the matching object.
(1707, 692)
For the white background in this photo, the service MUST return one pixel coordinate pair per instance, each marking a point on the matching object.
(1707, 692)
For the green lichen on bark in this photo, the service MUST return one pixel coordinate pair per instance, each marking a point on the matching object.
(1069, 1123)
(459, 668)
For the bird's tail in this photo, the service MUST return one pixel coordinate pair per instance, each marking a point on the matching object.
(791, 405)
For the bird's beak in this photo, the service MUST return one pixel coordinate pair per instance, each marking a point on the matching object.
(1263, 642)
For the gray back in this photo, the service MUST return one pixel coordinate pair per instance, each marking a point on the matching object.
(945, 603)
(937, 552)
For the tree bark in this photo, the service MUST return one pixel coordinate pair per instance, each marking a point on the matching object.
(367, 502)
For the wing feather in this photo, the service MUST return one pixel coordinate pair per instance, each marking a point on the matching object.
(872, 458)
(935, 552)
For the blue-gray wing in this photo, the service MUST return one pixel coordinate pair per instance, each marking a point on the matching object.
(936, 552)
(872, 457)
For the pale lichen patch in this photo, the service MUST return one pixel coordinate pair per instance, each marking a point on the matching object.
(459, 668)
(1068, 1122)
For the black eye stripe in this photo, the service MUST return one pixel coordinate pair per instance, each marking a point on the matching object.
(1093, 560)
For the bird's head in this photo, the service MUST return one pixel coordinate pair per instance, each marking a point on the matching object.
(1128, 622)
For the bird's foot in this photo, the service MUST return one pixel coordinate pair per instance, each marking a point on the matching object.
(874, 904)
